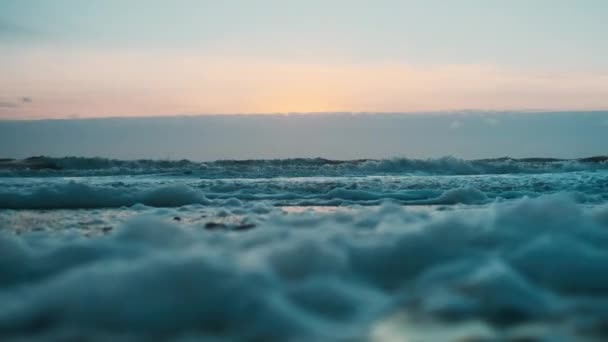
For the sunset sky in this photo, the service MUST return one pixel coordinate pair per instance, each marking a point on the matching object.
(97, 58)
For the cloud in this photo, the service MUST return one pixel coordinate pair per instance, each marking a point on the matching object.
(11, 30)
(6, 104)
(15, 104)
(6, 28)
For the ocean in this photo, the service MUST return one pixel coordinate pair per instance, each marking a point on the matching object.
(304, 249)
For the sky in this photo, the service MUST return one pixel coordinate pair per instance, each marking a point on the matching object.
(115, 58)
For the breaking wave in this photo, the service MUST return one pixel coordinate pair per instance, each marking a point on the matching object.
(121, 191)
(298, 167)
(73, 195)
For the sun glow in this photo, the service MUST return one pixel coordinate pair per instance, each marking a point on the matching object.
(125, 83)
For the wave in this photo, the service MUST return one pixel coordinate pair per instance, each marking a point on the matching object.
(73, 195)
(295, 167)
(81, 195)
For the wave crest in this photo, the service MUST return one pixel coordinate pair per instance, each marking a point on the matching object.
(295, 167)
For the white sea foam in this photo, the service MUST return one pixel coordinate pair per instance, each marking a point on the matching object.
(360, 274)
(173, 191)
(304, 249)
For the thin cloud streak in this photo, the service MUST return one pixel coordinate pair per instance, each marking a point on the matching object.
(8, 105)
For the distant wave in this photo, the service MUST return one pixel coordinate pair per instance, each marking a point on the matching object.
(295, 167)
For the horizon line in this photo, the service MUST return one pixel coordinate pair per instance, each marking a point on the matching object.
(320, 113)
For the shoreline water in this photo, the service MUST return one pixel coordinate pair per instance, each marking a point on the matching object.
(367, 257)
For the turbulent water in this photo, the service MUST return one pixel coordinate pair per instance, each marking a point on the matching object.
(304, 249)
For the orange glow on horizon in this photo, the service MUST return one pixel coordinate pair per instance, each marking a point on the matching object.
(129, 84)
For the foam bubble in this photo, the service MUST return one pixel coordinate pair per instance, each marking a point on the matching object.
(314, 275)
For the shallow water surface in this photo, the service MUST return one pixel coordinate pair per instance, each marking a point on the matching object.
(380, 256)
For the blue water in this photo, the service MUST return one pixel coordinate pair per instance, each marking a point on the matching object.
(309, 249)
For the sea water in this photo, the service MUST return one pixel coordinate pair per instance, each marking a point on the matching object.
(305, 249)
